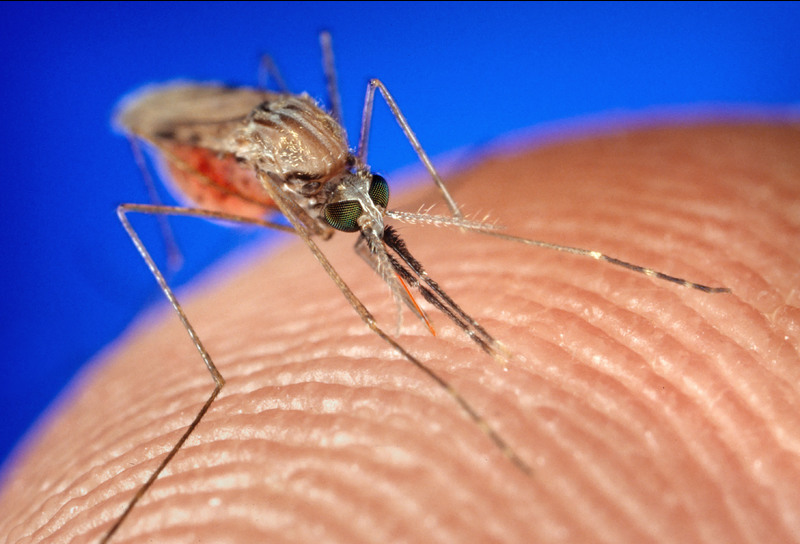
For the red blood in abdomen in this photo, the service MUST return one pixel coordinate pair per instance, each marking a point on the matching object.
(216, 182)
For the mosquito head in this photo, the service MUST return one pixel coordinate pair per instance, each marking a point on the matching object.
(358, 203)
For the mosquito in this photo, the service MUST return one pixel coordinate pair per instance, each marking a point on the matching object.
(242, 153)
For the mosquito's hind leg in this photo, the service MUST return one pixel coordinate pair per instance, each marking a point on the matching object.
(219, 380)
(174, 255)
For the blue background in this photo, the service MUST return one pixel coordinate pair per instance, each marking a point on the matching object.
(464, 73)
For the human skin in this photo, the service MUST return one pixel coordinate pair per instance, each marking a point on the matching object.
(647, 411)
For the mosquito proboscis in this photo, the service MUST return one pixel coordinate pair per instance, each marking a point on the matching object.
(241, 153)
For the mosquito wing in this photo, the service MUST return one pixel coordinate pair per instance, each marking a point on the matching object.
(201, 114)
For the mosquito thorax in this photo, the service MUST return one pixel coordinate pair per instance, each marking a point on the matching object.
(291, 136)
(356, 202)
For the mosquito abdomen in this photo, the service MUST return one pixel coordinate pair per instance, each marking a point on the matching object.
(213, 182)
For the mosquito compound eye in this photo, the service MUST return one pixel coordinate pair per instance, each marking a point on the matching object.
(379, 191)
(344, 215)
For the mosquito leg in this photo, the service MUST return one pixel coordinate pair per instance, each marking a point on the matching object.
(608, 259)
(268, 70)
(329, 67)
(363, 141)
(174, 256)
(484, 228)
(202, 214)
(219, 381)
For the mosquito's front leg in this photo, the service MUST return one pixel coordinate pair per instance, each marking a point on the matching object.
(363, 141)
(482, 226)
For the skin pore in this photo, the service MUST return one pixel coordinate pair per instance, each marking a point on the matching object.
(648, 412)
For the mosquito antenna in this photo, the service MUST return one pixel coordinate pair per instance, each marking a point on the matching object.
(491, 229)
(611, 260)
(422, 218)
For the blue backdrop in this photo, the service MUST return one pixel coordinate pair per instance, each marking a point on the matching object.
(464, 73)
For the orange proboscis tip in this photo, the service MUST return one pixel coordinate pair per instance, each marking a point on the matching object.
(416, 306)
